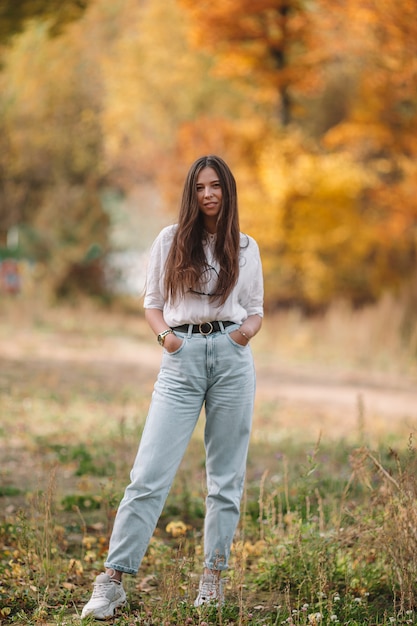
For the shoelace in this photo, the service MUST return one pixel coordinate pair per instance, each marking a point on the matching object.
(99, 590)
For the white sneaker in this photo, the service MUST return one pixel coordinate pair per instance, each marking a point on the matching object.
(107, 595)
(210, 589)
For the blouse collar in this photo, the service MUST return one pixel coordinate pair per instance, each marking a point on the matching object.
(210, 238)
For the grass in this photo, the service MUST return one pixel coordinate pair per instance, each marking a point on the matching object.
(328, 528)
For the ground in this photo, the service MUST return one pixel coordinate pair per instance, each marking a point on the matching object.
(78, 380)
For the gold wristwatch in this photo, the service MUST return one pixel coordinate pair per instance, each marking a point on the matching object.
(161, 336)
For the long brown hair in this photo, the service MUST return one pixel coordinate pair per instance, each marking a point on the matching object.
(186, 260)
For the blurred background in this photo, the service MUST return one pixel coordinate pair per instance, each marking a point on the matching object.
(313, 103)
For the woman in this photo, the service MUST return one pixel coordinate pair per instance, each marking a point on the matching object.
(204, 302)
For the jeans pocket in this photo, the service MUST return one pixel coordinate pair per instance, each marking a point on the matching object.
(235, 343)
(178, 350)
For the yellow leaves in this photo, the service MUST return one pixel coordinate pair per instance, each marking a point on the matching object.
(307, 217)
(16, 570)
(5, 611)
(234, 62)
(360, 137)
(334, 177)
(274, 172)
(75, 567)
(89, 541)
(177, 528)
(94, 546)
(248, 549)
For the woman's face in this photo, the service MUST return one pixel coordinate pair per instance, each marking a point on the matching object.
(209, 197)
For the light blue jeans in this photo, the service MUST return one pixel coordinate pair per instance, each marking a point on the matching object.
(214, 371)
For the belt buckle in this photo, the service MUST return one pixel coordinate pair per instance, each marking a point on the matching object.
(205, 324)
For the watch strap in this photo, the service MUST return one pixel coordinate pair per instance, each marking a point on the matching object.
(161, 336)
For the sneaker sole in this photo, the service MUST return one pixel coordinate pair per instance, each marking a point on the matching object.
(108, 615)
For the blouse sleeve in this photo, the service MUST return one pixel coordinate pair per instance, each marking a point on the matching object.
(252, 288)
(154, 296)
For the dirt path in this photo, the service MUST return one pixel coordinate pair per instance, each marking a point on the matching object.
(295, 399)
(386, 395)
(341, 404)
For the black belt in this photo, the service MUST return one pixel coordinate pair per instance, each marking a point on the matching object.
(205, 328)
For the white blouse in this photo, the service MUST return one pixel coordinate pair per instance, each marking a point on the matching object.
(194, 308)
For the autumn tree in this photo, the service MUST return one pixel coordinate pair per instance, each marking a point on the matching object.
(262, 42)
(380, 130)
(101, 106)
(50, 162)
(156, 87)
(330, 196)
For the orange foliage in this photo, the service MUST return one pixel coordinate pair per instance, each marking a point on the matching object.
(267, 37)
(314, 105)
